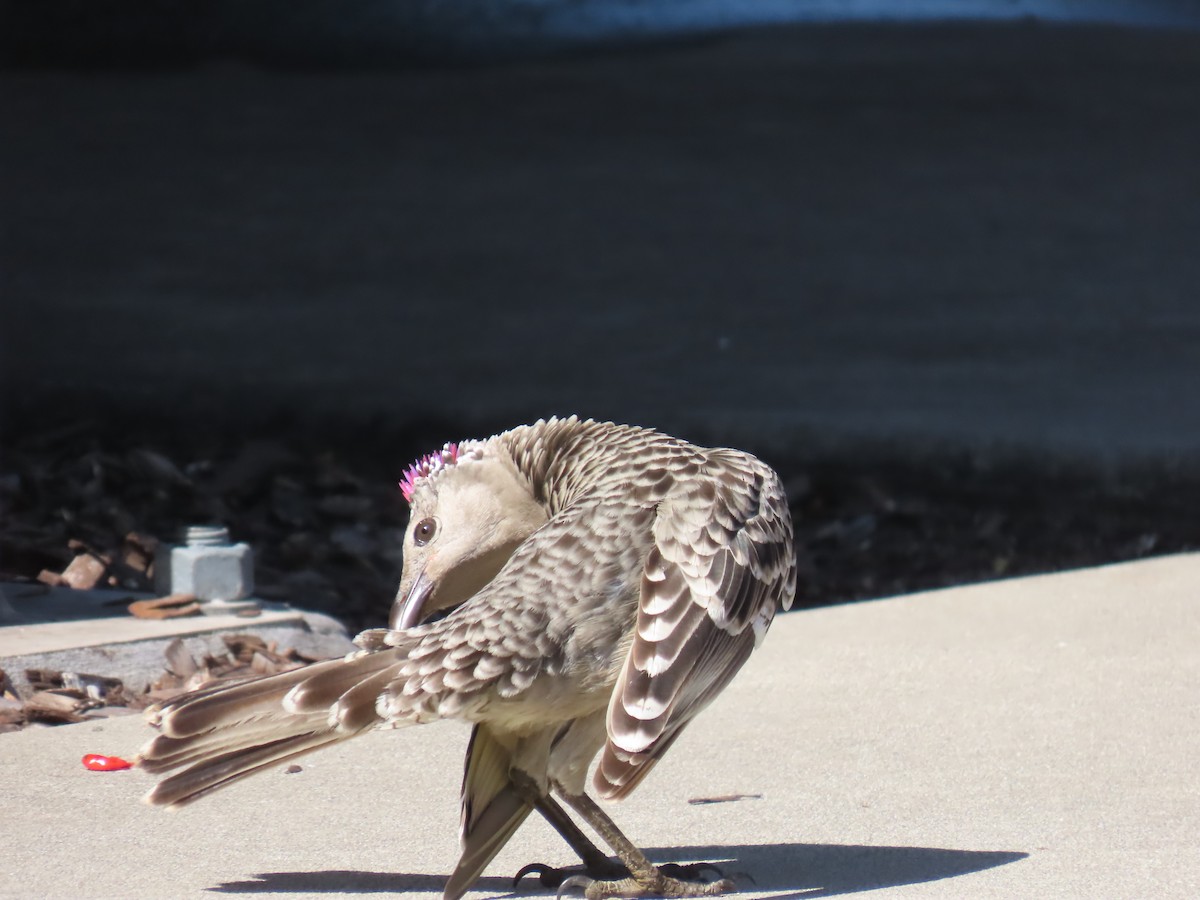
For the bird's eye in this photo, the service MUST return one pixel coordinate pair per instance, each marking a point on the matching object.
(424, 532)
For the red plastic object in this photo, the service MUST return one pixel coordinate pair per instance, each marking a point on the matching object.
(95, 762)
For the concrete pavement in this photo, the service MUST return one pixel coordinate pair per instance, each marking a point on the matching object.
(1037, 737)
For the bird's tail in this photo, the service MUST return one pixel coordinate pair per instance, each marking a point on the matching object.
(221, 734)
(492, 809)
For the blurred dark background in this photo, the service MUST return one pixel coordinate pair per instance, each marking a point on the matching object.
(392, 33)
(938, 262)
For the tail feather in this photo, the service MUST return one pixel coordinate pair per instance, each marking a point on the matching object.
(492, 809)
(328, 687)
(200, 711)
(356, 707)
(164, 753)
(219, 735)
(203, 778)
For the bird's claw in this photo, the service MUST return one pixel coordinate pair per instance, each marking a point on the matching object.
(541, 870)
(548, 876)
(551, 877)
(575, 882)
(661, 884)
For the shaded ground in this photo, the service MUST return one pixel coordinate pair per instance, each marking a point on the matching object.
(321, 508)
(962, 233)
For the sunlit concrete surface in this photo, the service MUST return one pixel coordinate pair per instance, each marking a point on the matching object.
(1027, 738)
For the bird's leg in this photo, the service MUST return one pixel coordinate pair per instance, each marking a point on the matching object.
(645, 879)
(595, 863)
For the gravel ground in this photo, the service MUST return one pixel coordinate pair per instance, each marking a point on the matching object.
(321, 508)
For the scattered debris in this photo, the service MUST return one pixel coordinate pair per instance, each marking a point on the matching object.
(130, 565)
(12, 710)
(56, 707)
(97, 762)
(179, 661)
(12, 715)
(86, 571)
(172, 606)
(59, 698)
(92, 516)
(7, 691)
(246, 656)
(99, 688)
(723, 798)
(137, 553)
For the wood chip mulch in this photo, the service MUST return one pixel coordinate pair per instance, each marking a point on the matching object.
(59, 698)
(325, 536)
(85, 503)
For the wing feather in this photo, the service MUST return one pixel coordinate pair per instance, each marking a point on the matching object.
(722, 564)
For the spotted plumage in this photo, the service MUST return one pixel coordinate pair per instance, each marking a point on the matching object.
(571, 587)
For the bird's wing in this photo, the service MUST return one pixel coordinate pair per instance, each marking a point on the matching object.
(722, 563)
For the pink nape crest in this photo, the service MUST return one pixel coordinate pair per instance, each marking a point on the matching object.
(426, 466)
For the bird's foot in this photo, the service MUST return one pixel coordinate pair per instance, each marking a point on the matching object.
(662, 883)
(551, 877)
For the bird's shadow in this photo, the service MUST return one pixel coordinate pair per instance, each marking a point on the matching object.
(806, 870)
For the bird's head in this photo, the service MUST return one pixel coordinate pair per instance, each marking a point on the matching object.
(470, 509)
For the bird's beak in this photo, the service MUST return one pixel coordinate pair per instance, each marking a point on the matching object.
(412, 607)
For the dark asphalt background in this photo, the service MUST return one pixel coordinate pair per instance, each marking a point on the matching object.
(944, 278)
(967, 235)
